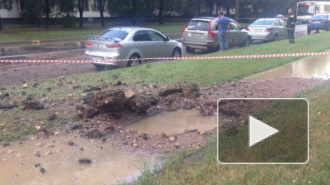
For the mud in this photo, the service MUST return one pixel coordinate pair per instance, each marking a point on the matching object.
(69, 160)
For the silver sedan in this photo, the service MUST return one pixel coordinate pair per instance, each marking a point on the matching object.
(271, 29)
(130, 43)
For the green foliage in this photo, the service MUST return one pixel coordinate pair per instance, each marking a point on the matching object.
(32, 11)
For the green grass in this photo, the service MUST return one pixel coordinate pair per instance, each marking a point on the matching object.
(27, 34)
(201, 166)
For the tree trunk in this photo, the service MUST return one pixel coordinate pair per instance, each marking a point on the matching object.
(134, 13)
(227, 10)
(101, 9)
(47, 11)
(217, 11)
(236, 10)
(161, 9)
(81, 7)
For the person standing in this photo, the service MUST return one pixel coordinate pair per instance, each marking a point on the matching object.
(223, 25)
(291, 25)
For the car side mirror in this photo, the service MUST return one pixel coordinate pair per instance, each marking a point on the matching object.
(243, 28)
(167, 38)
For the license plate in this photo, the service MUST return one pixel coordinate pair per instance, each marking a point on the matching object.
(317, 22)
(257, 30)
(97, 58)
(196, 35)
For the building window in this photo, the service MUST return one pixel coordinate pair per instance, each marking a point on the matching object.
(8, 5)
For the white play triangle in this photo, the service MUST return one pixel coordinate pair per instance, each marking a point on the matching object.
(259, 131)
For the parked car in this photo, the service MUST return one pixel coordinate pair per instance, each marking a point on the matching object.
(130, 43)
(270, 29)
(201, 33)
(319, 22)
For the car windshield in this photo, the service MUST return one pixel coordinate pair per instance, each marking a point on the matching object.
(320, 17)
(198, 25)
(262, 22)
(120, 34)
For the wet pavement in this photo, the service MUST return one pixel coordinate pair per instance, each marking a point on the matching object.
(174, 123)
(56, 161)
(308, 67)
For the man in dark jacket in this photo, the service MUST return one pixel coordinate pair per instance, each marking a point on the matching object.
(291, 24)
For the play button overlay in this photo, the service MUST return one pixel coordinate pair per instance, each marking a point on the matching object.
(259, 131)
(263, 131)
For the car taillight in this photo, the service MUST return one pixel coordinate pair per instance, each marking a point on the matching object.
(185, 28)
(310, 21)
(87, 43)
(324, 21)
(210, 32)
(269, 30)
(247, 29)
(114, 45)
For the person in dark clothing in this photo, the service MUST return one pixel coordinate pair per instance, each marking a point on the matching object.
(291, 24)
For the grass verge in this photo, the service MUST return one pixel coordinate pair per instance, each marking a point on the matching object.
(201, 167)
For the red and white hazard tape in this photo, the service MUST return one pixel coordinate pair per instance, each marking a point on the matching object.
(170, 58)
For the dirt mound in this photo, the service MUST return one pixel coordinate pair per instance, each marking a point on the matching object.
(109, 101)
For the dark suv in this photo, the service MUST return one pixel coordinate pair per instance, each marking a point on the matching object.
(201, 33)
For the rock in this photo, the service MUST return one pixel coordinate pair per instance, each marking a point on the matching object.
(129, 94)
(50, 146)
(86, 111)
(34, 105)
(49, 89)
(163, 135)
(202, 132)
(51, 116)
(95, 134)
(6, 106)
(35, 85)
(177, 145)
(144, 136)
(190, 90)
(70, 143)
(76, 87)
(62, 77)
(84, 161)
(23, 93)
(5, 144)
(25, 85)
(33, 138)
(42, 134)
(165, 91)
(76, 127)
(42, 170)
(57, 133)
(38, 165)
(48, 152)
(135, 145)
(172, 139)
(38, 127)
(118, 83)
(37, 154)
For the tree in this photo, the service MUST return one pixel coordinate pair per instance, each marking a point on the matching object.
(32, 11)
(236, 10)
(161, 9)
(100, 6)
(47, 12)
(81, 7)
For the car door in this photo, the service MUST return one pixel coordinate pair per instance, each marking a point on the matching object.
(284, 34)
(161, 48)
(235, 36)
(142, 42)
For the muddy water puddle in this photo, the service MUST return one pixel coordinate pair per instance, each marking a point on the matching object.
(174, 122)
(53, 161)
(309, 67)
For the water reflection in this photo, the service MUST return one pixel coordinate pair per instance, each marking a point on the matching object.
(309, 67)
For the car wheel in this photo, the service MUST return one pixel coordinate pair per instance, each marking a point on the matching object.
(247, 42)
(328, 28)
(134, 60)
(176, 52)
(275, 38)
(190, 50)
